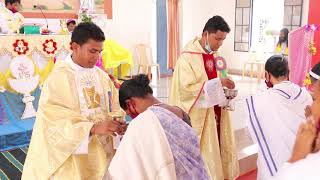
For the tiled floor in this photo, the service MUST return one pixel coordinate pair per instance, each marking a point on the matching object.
(246, 87)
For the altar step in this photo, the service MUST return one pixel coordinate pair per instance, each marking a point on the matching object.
(247, 151)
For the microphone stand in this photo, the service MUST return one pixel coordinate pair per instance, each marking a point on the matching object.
(45, 18)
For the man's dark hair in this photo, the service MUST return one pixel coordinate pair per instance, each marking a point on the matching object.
(71, 22)
(216, 23)
(316, 71)
(277, 65)
(11, 1)
(136, 87)
(85, 31)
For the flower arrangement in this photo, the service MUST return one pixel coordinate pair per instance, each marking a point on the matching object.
(84, 16)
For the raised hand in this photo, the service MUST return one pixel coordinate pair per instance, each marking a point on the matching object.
(304, 141)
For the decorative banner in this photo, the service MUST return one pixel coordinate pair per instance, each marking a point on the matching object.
(300, 55)
(49, 46)
(20, 46)
(25, 82)
(311, 27)
(221, 65)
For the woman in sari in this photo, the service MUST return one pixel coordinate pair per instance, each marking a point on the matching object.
(159, 142)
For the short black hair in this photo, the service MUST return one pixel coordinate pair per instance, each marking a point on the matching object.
(11, 1)
(85, 31)
(71, 22)
(138, 86)
(216, 23)
(278, 66)
(315, 70)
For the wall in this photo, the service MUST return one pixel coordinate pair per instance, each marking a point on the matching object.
(132, 23)
(196, 13)
(314, 18)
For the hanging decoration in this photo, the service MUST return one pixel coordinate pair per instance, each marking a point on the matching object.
(221, 65)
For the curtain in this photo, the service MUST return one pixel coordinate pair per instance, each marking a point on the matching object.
(173, 11)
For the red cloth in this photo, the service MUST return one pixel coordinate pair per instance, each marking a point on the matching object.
(209, 65)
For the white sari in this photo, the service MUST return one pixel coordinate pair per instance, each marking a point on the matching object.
(158, 145)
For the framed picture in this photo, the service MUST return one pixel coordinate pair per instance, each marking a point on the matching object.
(61, 8)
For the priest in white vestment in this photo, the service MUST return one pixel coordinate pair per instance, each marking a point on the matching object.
(71, 138)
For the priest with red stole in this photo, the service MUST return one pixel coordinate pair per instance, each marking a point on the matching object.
(195, 80)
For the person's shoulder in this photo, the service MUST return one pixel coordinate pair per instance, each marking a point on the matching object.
(60, 73)
(103, 75)
(143, 118)
(184, 59)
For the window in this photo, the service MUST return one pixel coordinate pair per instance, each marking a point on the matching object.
(267, 21)
(292, 14)
(243, 18)
(258, 22)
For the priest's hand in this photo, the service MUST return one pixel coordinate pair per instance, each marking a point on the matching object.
(228, 83)
(304, 141)
(108, 128)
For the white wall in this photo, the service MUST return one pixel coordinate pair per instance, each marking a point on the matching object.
(195, 14)
(305, 12)
(132, 23)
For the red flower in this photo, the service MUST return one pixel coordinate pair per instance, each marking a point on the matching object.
(20, 46)
(49, 46)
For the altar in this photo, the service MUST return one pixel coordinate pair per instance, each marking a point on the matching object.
(41, 50)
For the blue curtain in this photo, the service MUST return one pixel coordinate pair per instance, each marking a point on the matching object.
(162, 35)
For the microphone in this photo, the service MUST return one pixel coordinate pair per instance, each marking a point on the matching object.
(40, 8)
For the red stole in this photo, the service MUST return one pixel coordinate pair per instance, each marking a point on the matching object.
(209, 65)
